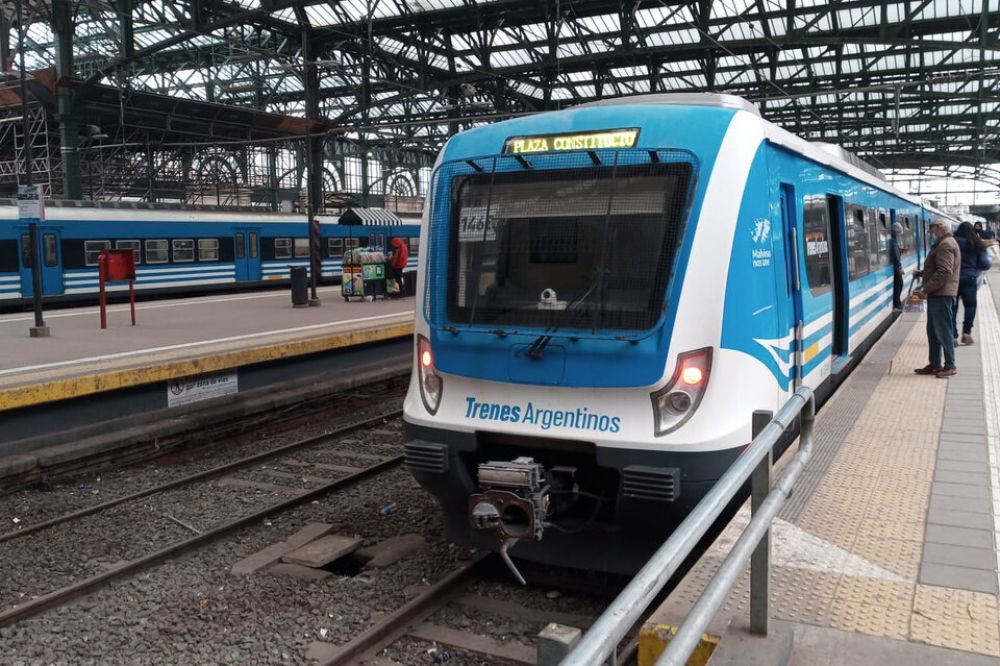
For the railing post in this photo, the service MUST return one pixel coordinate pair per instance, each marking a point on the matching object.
(760, 561)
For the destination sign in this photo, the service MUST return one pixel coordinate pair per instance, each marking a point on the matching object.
(546, 143)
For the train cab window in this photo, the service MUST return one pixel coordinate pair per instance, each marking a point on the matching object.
(208, 249)
(817, 244)
(301, 248)
(134, 245)
(157, 251)
(857, 243)
(50, 249)
(573, 248)
(183, 250)
(26, 252)
(282, 248)
(335, 247)
(92, 250)
(239, 242)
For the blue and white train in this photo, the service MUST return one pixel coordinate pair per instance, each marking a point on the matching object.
(609, 292)
(178, 250)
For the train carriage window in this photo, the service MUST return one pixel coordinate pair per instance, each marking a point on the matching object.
(26, 252)
(183, 250)
(415, 245)
(50, 248)
(134, 245)
(335, 247)
(301, 248)
(239, 242)
(208, 249)
(92, 250)
(817, 244)
(253, 245)
(352, 243)
(857, 243)
(157, 251)
(879, 240)
(282, 248)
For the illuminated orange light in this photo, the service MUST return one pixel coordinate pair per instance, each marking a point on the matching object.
(691, 375)
(426, 359)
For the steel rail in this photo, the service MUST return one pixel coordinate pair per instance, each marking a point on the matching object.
(60, 596)
(204, 474)
(601, 641)
(395, 624)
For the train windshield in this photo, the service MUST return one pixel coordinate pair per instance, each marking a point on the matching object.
(573, 248)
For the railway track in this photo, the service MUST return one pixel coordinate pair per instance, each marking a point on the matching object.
(326, 486)
(420, 620)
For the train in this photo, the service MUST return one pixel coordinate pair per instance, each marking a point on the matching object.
(607, 294)
(179, 250)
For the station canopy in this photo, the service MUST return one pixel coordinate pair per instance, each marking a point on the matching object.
(909, 85)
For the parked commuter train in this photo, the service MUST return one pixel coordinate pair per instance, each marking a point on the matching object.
(609, 292)
(178, 250)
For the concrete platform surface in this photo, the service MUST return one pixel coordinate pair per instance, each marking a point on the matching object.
(889, 544)
(196, 335)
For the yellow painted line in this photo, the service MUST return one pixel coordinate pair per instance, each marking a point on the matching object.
(810, 352)
(653, 640)
(74, 387)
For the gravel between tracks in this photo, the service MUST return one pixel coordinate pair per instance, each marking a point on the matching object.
(193, 611)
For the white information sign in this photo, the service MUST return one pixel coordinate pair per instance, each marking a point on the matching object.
(29, 202)
(203, 387)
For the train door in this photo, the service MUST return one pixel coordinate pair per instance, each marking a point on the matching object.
(246, 254)
(794, 281)
(49, 241)
(838, 275)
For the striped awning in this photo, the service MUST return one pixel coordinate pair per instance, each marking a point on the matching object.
(370, 217)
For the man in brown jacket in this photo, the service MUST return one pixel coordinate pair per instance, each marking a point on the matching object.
(940, 274)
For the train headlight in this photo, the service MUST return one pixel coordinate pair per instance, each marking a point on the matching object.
(430, 380)
(676, 402)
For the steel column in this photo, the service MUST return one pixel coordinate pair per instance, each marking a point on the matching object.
(760, 561)
(62, 28)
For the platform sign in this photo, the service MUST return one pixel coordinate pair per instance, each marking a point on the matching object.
(187, 390)
(29, 202)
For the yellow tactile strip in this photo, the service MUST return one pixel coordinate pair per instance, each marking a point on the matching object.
(869, 510)
(109, 380)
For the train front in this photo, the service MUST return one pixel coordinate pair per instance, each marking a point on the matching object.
(564, 356)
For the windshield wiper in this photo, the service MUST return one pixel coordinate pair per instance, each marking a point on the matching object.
(543, 340)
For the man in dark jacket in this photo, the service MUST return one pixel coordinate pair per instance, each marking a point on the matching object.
(940, 274)
(896, 259)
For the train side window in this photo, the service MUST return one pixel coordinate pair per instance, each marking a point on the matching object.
(282, 248)
(857, 243)
(26, 252)
(352, 243)
(134, 245)
(157, 251)
(253, 245)
(92, 251)
(816, 241)
(335, 247)
(415, 245)
(208, 249)
(50, 247)
(301, 248)
(183, 250)
(241, 250)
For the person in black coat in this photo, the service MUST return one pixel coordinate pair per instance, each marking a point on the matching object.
(975, 260)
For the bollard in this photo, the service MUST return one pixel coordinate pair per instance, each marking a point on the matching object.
(300, 287)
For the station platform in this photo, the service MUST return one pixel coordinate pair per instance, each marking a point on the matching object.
(887, 550)
(180, 338)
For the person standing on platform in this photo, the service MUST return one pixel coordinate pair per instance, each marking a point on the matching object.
(398, 262)
(985, 234)
(940, 275)
(896, 259)
(975, 260)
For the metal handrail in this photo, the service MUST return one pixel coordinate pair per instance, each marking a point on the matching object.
(601, 640)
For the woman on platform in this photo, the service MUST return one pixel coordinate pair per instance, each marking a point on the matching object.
(975, 260)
